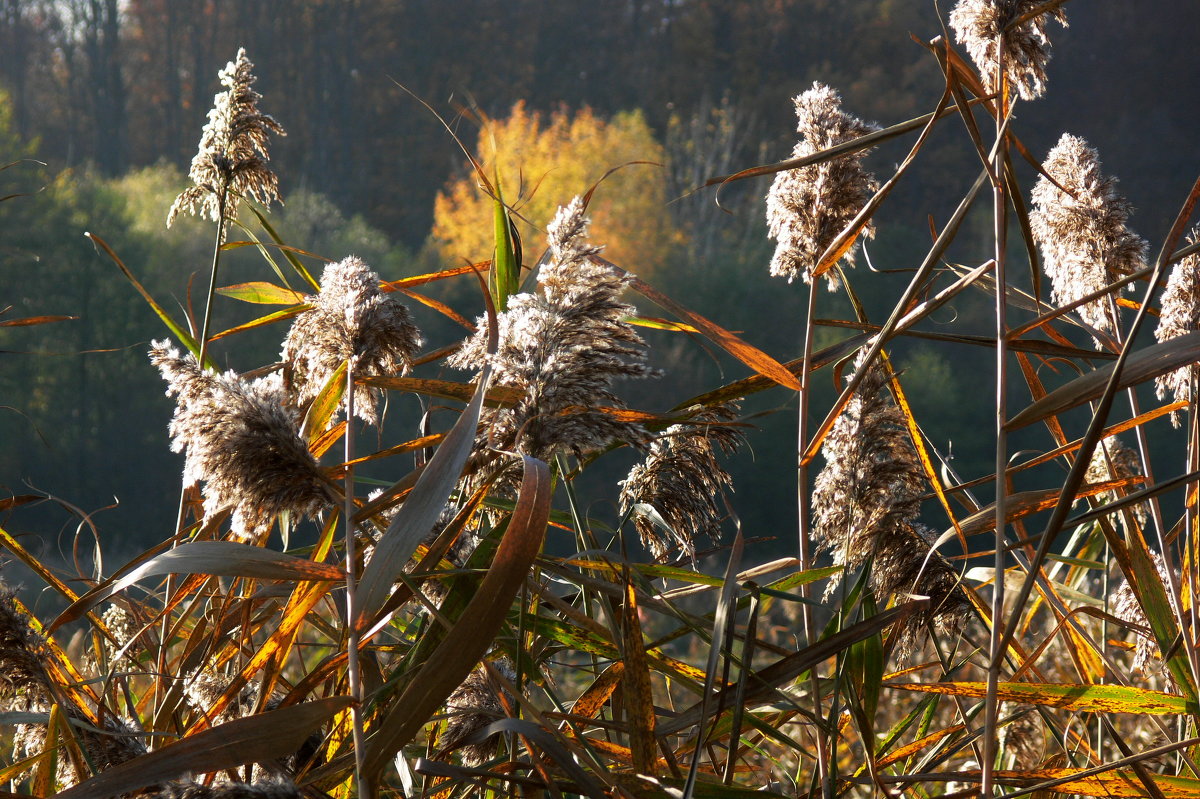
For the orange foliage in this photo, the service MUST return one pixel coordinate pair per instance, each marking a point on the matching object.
(544, 162)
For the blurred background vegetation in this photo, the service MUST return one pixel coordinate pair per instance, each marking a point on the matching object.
(109, 96)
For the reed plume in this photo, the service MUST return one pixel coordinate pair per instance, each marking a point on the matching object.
(1115, 461)
(978, 25)
(865, 504)
(233, 153)
(243, 442)
(351, 320)
(1180, 314)
(561, 350)
(1125, 606)
(472, 706)
(682, 480)
(1081, 229)
(809, 206)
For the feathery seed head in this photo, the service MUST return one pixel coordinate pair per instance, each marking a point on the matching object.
(562, 350)
(24, 682)
(906, 563)
(1082, 231)
(1112, 460)
(259, 789)
(243, 441)
(1180, 313)
(472, 706)
(865, 505)
(683, 481)
(351, 319)
(232, 158)
(978, 25)
(808, 207)
(1125, 606)
(871, 482)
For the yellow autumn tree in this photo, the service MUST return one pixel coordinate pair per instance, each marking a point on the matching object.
(542, 163)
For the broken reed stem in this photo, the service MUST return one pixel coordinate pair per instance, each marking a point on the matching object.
(1000, 225)
(353, 666)
(805, 523)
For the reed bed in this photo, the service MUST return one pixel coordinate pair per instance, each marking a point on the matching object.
(307, 632)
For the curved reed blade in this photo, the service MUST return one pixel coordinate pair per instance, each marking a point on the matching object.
(467, 642)
(255, 739)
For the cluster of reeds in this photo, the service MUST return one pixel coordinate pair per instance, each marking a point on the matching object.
(418, 638)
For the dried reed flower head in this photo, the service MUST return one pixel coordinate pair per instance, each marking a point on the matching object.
(808, 207)
(562, 350)
(1024, 738)
(1082, 231)
(471, 707)
(906, 563)
(24, 682)
(872, 481)
(865, 504)
(1112, 460)
(351, 319)
(682, 480)
(243, 441)
(977, 26)
(123, 627)
(1125, 606)
(232, 158)
(118, 743)
(1180, 314)
(260, 789)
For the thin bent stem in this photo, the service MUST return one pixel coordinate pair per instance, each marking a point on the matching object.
(805, 521)
(1000, 225)
(353, 667)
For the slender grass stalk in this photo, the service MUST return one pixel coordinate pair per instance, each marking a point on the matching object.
(999, 231)
(353, 665)
(803, 503)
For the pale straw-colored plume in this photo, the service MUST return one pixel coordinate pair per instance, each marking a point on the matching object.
(232, 159)
(1082, 231)
(26, 687)
(978, 25)
(865, 504)
(683, 482)
(1147, 659)
(351, 320)
(808, 207)
(472, 706)
(242, 440)
(1180, 314)
(1112, 460)
(562, 350)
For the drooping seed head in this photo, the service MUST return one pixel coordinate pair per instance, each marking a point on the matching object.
(242, 441)
(682, 480)
(562, 350)
(1180, 314)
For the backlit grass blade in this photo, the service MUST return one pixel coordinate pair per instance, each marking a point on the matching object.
(466, 643)
(261, 738)
(1068, 696)
(417, 515)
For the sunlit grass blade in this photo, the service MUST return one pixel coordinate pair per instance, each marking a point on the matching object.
(262, 293)
(1078, 697)
(261, 738)
(468, 640)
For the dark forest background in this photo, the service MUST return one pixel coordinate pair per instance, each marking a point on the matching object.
(111, 96)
